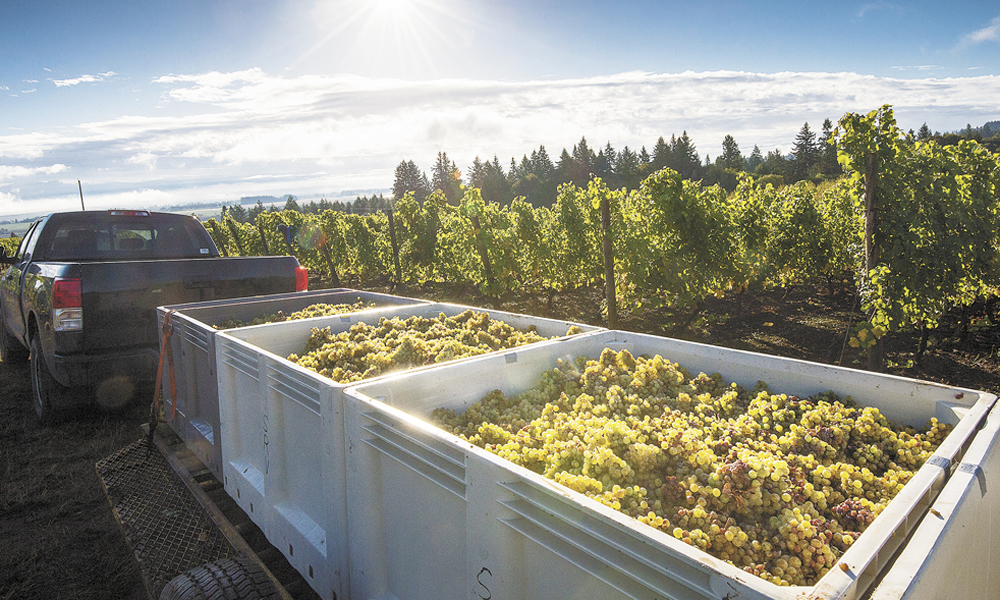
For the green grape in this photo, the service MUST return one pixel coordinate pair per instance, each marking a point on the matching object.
(777, 485)
(396, 344)
(313, 310)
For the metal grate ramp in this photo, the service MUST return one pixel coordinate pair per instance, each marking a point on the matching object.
(166, 527)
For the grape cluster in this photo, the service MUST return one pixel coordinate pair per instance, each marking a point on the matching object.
(396, 344)
(777, 485)
(313, 310)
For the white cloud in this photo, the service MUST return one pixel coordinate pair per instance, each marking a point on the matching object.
(243, 133)
(917, 68)
(16, 172)
(867, 8)
(146, 159)
(83, 79)
(990, 33)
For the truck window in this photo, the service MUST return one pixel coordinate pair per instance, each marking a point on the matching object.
(108, 237)
(27, 245)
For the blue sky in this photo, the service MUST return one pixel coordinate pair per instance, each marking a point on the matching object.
(158, 103)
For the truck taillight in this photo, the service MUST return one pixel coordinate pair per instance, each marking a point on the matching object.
(301, 279)
(67, 305)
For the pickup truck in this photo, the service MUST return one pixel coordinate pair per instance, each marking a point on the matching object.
(78, 299)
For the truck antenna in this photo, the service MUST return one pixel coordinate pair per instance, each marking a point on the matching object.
(80, 185)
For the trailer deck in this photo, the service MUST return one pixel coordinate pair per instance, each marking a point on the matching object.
(176, 515)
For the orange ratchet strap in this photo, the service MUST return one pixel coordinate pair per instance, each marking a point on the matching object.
(166, 351)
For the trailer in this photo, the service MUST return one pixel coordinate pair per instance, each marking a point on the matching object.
(347, 491)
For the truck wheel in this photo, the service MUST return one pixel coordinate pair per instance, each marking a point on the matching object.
(47, 393)
(235, 578)
(11, 350)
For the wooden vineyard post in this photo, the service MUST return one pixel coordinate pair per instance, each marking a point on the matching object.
(334, 277)
(263, 239)
(236, 237)
(609, 264)
(395, 248)
(222, 247)
(481, 247)
(875, 352)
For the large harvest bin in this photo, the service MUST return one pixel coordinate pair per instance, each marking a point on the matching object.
(282, 435)
(193, 347)
(431, 516)
(955, 551)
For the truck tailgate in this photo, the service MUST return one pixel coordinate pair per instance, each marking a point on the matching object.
(120, 298)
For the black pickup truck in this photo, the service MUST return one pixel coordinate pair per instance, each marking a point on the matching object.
(78, 298)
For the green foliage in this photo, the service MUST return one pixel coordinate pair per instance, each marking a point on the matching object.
(677, 242)
(8, 245)
(937, 220)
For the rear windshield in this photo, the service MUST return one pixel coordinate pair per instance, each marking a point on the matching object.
(106, 236)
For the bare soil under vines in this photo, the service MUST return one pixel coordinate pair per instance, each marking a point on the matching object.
(59, 538)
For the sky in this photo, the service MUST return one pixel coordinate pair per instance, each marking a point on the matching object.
(145, 103)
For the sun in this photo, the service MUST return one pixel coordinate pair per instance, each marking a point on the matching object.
(387, 11)
(383, 37)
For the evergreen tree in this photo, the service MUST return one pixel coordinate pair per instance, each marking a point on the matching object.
(805, 153)
(583, 163)
(255, 210)
(543, 164)
(498, 185)
(604, 166)
(685, 157)
(447, 178)
(731, 157)
(564, 167)
(291, 204)
(409, 178)
(829, 166)
(644, 158)
(628, 168)
(755, 159)
(663, 153)
(238, 213)
(774, 164)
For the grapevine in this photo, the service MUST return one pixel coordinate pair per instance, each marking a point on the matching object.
(395, 344)
(777, 485)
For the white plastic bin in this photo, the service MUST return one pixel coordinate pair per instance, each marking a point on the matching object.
(193, 347)
(955, 551)
(431, 516)
(282, 435)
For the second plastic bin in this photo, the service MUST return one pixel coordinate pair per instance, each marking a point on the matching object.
(283, 441)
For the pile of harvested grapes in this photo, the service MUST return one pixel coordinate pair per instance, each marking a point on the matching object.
(777, 485)
(397, 344)
(313, 310)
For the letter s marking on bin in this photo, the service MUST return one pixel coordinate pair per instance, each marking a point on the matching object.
(479, 580)
(267, 455)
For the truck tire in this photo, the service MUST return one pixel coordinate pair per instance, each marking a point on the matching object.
(48, 395)
(11, 350)
(222, 579)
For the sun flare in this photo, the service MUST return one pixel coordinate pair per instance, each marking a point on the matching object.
(386, 37)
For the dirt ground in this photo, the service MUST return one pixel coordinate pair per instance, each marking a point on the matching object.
(59, 538)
